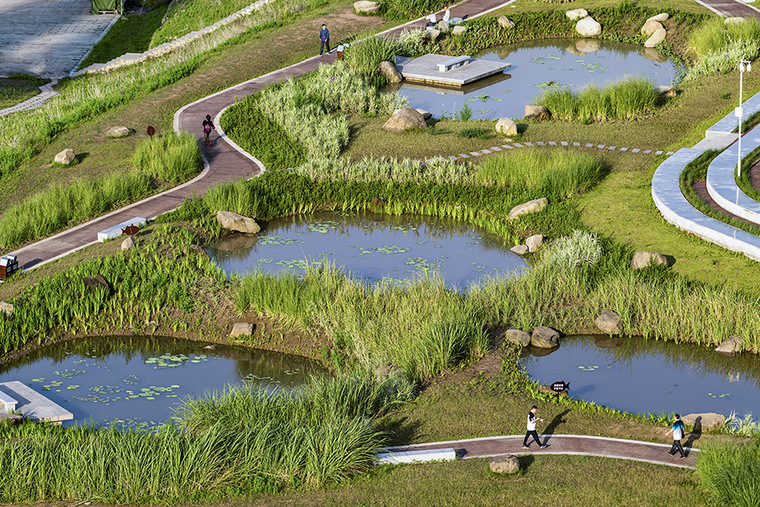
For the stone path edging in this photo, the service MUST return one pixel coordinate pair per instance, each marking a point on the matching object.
(722, 186)
(46, 92)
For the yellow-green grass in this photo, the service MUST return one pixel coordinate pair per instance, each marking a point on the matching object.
(18, 88)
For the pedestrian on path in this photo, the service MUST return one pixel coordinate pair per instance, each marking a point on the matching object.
(208, 126)
(324, 36)
(532, 420)
(677, 431)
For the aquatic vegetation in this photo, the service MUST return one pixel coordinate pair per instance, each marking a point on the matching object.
(581, 248)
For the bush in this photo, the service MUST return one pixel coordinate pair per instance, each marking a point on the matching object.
(720, 46)
(172, 157)
(579, 249)
(731, 472)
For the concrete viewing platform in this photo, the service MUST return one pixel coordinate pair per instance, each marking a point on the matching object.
(33, 405)
(444, 70)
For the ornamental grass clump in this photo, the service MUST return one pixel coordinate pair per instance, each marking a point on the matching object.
(579, 249)
(721, 46)
(172, 157)
(387, 169)
(731, 472)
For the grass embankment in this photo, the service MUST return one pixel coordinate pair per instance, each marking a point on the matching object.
(720, 46)
(18, 88)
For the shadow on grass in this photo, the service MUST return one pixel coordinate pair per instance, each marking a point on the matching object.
(399, 431)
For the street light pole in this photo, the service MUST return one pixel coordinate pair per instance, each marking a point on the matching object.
(743, 65)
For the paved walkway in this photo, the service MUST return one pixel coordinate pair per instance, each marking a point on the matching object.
(46, 92)
(581, 445)
(731, 8)
(47, 38)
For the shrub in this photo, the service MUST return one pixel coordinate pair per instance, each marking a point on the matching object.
(172, 157)
(720, 46)
(579, 249)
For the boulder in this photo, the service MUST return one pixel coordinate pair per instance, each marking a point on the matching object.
(519, 249)
(643, 258)
(528, 207)
(650, 27)
(508, 464)
(506, 127)
(660, 17)
(588, 27)
(544, 337)
(6, 307)
(117, 132)
(730, 345)
(505, 22)
(458, 30)
(656, 38)
(96, 282)
(586, 46)
(407, 118)
(534, 242)
(241, 329)
(704, 422)
(443, 27)
(536, 112)
(425, 114)
(609, 322)
(65, 157)
(434, 34)
(128, 244)
(195, 250)
(234, 222)
(366, 7)
(734, 19)
(517, 336)
(576, 14)
(390, 72)
(666, 90)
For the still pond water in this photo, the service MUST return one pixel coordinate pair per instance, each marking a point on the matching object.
(372, 247)
(123, 379)
(536, 66)
(648, 376)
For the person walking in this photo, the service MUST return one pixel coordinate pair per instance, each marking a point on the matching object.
(677, 431)
(532, 420)
(208, 126)
(324, 36)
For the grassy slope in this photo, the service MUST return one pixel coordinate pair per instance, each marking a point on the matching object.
(18, 88)
(190, 15)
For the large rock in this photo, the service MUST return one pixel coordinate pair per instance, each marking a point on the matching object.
(425, 114)
(734, 19)
(576, 14)
(407, 118)
(519, 249)
(504, 464)
(366, 7)
(656, 38)
(536, 112)
(650, 27)
(443, 27)
(660, 17)
(241, 329)
(458, 30)
(128, 244)
(528, 207)
(505, 22)
(544, 337)
(96, 282)
(433, 33)
(534, 242)
(390, 72)
(704, 422)
(6, 307)
(588, 27)
(65, 157)
(506, 127)
(117, 132)
(730, 345)
(609, 322)
(666, 90)
(234, 222)
(517, 336)
(643, 258)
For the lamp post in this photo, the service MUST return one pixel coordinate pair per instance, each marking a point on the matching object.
(743, 65)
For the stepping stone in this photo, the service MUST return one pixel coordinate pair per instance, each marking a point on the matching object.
(670, 153)
(589, 145)
(495, 148)
(506, 146)
(635, 150)
(600, 146)
(528, 144)
(658, 152)
(610, 147)
(452, 157)
(552, 143)
(563, 143)
(540, 143)
(623, 149)
(576, 144)
(518, 145)
(485, 152)
(475, 153)
(462, 155)
(647, 151)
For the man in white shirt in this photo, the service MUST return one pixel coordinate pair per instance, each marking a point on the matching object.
(532, 420)
(446, 15)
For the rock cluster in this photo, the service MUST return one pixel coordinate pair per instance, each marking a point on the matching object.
(730, 345)
(533, 112)
(544, 337)
(654, 30)
(505, 22)
(6, 307)
(588, 27)
(517, 336)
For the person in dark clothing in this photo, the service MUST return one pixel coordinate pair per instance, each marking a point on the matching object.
(677, 431)
(208, 126)
(324, 36)
(532, 420)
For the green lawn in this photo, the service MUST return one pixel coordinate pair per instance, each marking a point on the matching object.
(18, 88)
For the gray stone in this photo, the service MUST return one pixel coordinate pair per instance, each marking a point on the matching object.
(505, 22)
(517, 336)
(425, 114)
(241, 329)
(96, 282)
(650, 27)
(443, 27)
(6, 307)
(666, 90)
(389, 71)
(643, 258)
(704, 422)
(506, 127)
(528, 207)
(65, 157)
(730, 345)
(519, 249)
(117, 132)
(576, 14)
(234, 222)
(504, 464)
(434, 34)
(533, 112)
(544, 337)
(609, 322)
(734, 19)
(407, 118)
(366, 7)
(588, 27)
(660, 17)
(657, 37)
(128, 244)
(458, 30)
(534, 242)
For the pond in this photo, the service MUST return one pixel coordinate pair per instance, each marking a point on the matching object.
(649, 376)
(141, 379)
(537, 65)
(372, 247)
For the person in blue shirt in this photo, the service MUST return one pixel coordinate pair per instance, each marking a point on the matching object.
(677, 431)
(324, 36)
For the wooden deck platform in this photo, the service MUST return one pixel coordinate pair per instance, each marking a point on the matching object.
(424, 69)
(33, 405)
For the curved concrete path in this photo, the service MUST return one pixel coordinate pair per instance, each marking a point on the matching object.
(580, 445)
(731, 8)
(721, 184)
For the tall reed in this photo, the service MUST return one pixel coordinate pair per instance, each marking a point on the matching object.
(731, 472)
(173, 157)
